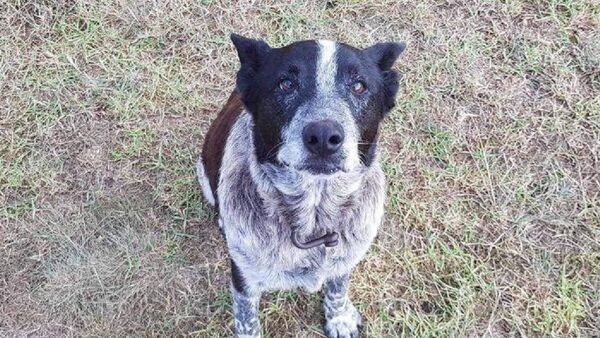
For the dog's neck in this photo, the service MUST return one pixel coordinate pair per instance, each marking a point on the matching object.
(303, 201)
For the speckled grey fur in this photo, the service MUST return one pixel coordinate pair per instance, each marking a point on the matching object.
(259, 205)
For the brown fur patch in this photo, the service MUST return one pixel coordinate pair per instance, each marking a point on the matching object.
(216, 138)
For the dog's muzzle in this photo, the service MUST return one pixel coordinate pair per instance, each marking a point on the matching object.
(323, 138)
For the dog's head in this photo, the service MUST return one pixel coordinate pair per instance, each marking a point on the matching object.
(316, 105)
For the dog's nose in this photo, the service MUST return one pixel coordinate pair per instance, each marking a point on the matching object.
(323, 138)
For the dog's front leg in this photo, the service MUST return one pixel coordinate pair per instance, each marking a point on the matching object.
(245, 306)
(342, 318)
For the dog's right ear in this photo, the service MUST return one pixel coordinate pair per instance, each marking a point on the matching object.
(251, 54)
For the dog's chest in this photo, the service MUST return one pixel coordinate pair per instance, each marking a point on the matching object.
(310, 272)
(286, 267)
(271, 261)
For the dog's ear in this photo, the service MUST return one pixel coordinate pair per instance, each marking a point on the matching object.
(385, 54)
(390, 88)
(251, 54)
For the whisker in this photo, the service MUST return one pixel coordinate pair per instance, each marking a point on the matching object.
(269, 153)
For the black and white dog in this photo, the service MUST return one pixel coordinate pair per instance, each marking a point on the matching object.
(290, 163)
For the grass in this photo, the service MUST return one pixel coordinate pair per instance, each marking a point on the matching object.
(492, 158)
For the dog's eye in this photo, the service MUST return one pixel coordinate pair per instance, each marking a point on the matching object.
(358, 87)
(286, 84)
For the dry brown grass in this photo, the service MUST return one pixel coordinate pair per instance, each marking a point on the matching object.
(492, 154)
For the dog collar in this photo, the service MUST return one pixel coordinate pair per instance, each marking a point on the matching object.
(330, 239)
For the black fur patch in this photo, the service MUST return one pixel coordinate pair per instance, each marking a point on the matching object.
(237, 279)
(372, 67)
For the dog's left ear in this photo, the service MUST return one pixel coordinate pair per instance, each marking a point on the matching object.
(385, 54)
(252, 54)
(250, 51)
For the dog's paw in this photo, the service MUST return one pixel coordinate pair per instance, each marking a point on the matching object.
(345, 325)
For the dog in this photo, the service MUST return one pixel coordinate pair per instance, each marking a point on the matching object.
(291, 166)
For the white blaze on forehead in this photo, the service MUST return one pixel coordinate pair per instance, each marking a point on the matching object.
(326, 66)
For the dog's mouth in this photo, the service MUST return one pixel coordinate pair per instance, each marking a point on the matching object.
(321, 168)
(316, 167)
